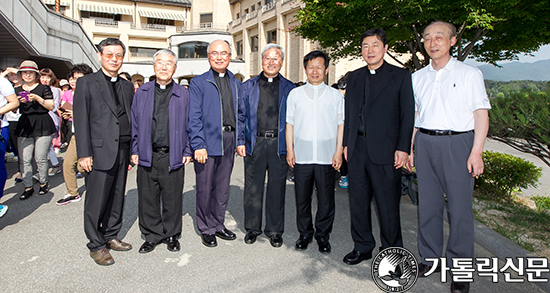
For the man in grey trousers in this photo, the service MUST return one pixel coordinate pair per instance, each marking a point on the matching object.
(451, 125)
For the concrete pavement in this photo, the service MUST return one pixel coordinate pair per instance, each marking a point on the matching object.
(43, 248)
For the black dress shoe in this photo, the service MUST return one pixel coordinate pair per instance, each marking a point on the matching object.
(324, 245)
(209, 240)
(355, 257)
(250, 237)
(226, 234)
(423, 269)
(147, 247)
(302, 243)
(276, 240)
(172, 244)
(459, 287)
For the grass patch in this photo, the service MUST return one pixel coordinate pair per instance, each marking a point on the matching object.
(527, 227)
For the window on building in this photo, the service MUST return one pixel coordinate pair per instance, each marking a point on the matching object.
(272, 36)
(239, 49)
(160, 21)
(92, 14)
(238, 16)
(206, 20)
(193, 50)
(246, 11)
(267, 2)
(254, 44)
(138, 52)
(253, 8)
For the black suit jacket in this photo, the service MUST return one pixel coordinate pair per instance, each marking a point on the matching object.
(390, 113)
(95, 119)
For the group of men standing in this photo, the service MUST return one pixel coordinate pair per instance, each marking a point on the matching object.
(274, 125)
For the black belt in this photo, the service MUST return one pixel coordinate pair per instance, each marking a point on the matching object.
(228, 128)
(162, 150)
(441, 132)
(267, 134)
(361, 133)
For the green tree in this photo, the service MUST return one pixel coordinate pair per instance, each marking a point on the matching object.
(522, 121)
(488, 31)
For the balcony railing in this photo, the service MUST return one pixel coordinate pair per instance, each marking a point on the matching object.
(235, 22)
(149, 27)
(252, 15)
(206, 25)
(269, 6)
(106, 22)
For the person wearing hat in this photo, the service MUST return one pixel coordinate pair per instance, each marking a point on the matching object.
(185, 83)
(35, 128)
(64, 85)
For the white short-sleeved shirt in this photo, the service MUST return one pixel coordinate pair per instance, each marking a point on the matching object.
(315, 112)
(447, 98)
(6, 89)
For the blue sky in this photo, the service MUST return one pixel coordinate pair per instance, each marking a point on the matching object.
(542, 54)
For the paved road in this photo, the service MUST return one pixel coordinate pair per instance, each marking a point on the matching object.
(43, 250)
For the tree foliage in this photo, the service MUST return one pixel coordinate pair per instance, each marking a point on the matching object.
(488, 30)
(500, 89)
(522, 121)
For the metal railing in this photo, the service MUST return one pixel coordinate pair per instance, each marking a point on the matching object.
(252, 15)
(149, 27)
(206, 25)
(106, 22)
(269, 6)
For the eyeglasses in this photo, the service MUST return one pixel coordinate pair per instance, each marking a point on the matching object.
(111, 55)
(161, 64)
(269, 59)
(223, 54)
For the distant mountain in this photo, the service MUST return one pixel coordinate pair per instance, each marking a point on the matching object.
(539, 70)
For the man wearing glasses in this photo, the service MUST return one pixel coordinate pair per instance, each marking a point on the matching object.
(102, 103)
(263, 103)
(161, 148)
(213, 133)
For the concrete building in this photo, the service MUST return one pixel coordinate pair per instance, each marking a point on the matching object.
(29, 30)
(256, 23)
(146, 26)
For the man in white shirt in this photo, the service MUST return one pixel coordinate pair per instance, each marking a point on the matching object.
(450, 130)
(314, 131)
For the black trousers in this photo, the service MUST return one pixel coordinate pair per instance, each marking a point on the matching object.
(323, 177)
(381, 182)
(265, 158)
(104, 202)
(160, 199)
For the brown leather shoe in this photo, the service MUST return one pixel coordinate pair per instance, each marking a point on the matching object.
(102, 257)
(118, 245)
(459, 287)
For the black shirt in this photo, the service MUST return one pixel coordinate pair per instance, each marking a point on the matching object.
(35, 120)
(370, 81)
(125, 133)
(268, 104)
(159, 128)
(228, 110)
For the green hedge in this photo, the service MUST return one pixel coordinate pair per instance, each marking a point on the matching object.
(505, 173)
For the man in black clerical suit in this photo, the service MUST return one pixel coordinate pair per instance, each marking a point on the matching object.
(378, 126)
(102, 103)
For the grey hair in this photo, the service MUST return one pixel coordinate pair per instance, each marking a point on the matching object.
(273, 46)
(208, 48)
(164, 52)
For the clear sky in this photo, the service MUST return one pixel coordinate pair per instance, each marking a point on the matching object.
(542, 54)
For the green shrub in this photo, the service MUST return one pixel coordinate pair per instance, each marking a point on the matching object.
(542, 202)
(505, 173)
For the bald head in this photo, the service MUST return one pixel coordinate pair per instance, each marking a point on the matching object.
(219, 55)
(442, 27)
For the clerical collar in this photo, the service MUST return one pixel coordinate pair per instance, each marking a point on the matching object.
(377, 70)
(109, 78)
(218, 74)
(164, 86)
(268, 79)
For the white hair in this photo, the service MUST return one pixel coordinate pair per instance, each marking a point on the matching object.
(273, 46)
(164, 52)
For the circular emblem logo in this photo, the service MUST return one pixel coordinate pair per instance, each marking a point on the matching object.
(394, 269)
